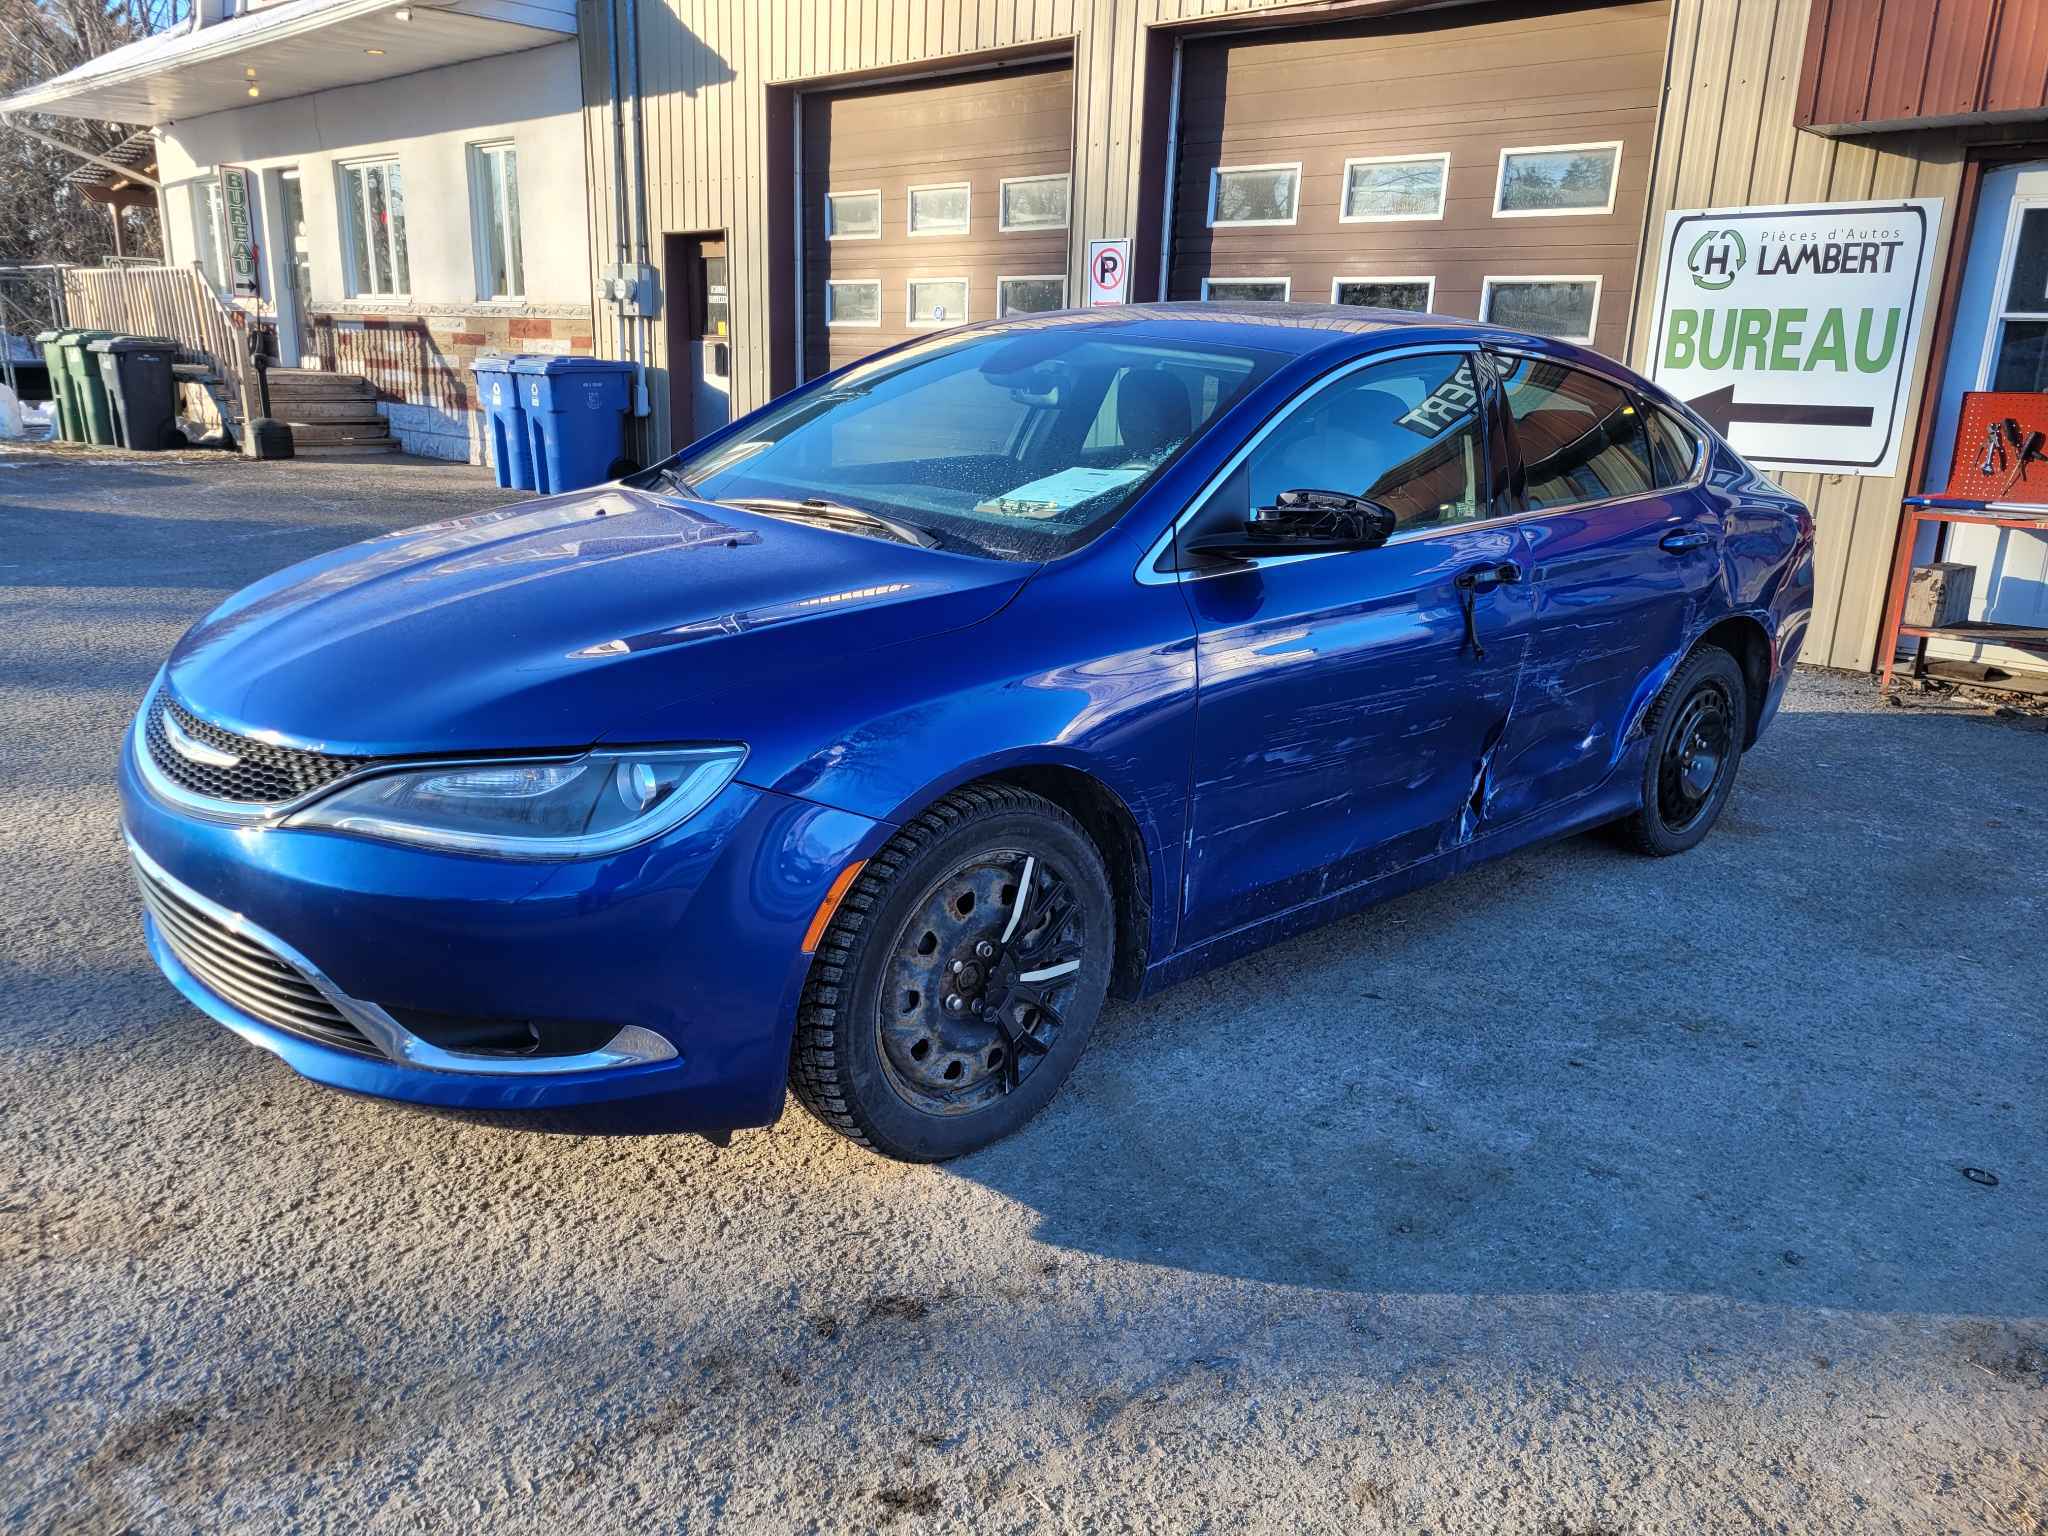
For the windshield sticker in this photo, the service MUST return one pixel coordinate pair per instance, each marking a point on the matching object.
(1054, 494)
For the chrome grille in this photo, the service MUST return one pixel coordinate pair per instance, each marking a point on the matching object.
(243, 971)
(262, 775)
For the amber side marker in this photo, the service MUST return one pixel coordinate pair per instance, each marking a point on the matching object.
(830, 905)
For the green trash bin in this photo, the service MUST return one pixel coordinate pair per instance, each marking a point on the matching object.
(89, 395)
(52, 343)
(136, 373)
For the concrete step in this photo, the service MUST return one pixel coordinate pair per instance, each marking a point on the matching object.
(376, 450)
(339, 432)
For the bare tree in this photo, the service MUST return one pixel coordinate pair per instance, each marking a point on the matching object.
(41, 218)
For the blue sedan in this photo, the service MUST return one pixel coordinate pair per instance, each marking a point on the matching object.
(867, 746)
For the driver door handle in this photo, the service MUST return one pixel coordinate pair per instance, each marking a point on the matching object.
(1679, 540)
(1484, 578)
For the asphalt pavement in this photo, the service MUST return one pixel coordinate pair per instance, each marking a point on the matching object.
(1584, 1195)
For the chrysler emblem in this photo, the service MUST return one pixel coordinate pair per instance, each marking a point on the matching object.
(197, 751)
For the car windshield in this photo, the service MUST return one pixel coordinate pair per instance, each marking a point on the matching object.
(1020, 444)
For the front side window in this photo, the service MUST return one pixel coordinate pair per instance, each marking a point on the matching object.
(1414, 294)
(1405, 433)
(1247, 290)
(373, 228)
(1021, 445)
(1031, 295)
(1582, 438)
(1557, 178)
(206, 231)
(494, 195)
(1032, 202)
(1409, 187)
(1563, 307)
(1254, 194)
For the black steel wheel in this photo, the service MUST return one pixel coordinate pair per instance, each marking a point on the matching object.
(957, 984)
(1695, 732)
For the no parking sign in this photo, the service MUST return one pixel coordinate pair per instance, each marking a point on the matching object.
(1109, 271)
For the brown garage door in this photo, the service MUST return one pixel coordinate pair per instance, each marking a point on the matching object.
(931, 203)
(1485, 161)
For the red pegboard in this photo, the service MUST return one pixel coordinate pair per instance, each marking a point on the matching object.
(2008, 479)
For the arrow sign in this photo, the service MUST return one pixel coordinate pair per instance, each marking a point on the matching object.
(1720, 409)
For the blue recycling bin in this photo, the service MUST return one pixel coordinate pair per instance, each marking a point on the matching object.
(575, 417)
(504, 422)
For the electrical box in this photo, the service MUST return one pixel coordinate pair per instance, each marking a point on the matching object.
(1938, 595)
(633, 290)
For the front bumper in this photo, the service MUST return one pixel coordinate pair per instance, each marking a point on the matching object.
(681, 956)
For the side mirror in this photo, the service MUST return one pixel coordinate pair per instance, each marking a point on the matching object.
(1301, 523)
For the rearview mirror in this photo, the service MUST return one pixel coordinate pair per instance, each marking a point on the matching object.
(1302, 523)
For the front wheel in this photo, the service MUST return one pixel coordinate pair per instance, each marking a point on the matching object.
(1695, 729)
(957, 983)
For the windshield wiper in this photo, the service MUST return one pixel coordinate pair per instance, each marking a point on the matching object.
(649, 479)
(817, 509)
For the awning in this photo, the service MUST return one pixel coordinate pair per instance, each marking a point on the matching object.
(293, 48)
(103, 184)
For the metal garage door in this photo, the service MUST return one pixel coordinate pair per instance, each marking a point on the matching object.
(1485, 162)
(931, 203)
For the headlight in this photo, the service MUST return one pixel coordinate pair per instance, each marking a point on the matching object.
(558, 809)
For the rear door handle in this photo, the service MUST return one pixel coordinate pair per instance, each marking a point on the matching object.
(1484, 578)
(1679, 540)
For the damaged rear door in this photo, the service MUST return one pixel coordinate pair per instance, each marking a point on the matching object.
(1348, 704)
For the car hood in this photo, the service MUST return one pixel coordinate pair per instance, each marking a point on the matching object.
(560, 623)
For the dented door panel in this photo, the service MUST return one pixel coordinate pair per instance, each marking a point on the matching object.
(1344, 721)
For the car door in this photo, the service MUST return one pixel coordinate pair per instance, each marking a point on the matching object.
(1344, 711)
(1622, 555)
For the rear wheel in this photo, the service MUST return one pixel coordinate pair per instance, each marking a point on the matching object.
(957, 984)
(1695, 730)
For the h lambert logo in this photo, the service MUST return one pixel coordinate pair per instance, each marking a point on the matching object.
(1716, 257)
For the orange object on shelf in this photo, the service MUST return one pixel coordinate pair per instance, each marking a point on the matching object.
(2001, 447)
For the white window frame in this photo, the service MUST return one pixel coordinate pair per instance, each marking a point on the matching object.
(2008, 257)
(1500, 181)
(949, 233)
(349, 229)
(853, 325)
(1443, 190)
(1428, 283)
(910, 304)
(1286, 287)
(1216, 175)
(1003, 227)
(1487, 284)
(216, 214)
(479, 205)
(1031, 277)
(874, 192)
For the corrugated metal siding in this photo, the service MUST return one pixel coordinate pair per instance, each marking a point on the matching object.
(1727, 138)
(1888, 62)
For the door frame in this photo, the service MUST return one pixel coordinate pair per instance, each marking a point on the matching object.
(284, 293)
(682, 298)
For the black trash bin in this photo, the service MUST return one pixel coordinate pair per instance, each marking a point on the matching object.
(141, 389)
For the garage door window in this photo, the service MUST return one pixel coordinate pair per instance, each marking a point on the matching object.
(856, 301)
(1564, 307)
(1030, 295)
(1032, 202)
(1557, 179)
(1416, 294)
(1241, 290)
(1253, 194)
(853, 215)
(939, 210)
(1581, 437)
(938, 300)
(1387, 189)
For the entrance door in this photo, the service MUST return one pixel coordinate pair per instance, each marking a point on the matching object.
(295, 327)
(699, 332)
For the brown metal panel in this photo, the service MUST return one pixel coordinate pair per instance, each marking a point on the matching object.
(1469, 83)
(2017, 76)
(1881, 64)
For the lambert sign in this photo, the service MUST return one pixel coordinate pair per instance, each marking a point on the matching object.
(1793, 329)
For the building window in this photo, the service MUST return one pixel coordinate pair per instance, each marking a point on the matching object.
(206, 231)
(1417, 294)
(373, 228)
(494, 216)
(854, 301)
(853, 215)
(1030, 295)
(1563, 307)
(937, 300)
(940, 210)
(1032, 202)
(1557, 179)
(2019, 328)
(1240, 290)
(1392, 188)
(1254, 194)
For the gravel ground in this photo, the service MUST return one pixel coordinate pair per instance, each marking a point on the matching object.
(1583, 1194)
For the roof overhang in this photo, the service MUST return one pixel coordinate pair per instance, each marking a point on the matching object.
(294, 48)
